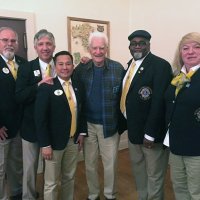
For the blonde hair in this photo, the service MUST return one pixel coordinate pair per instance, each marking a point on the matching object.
(178, 61)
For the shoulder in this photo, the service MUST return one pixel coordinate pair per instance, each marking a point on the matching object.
(20, 60)
(114, 64)
(28, 65)
(83, 66)
(158, 59)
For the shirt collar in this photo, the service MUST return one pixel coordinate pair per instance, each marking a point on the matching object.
(183, 69)
(63, 81)
(139, 61)
(44, 64)
(6, 60)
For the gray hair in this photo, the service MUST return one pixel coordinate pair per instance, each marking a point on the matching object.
(9, 28)
(43, 33)
(178, 61)
(98, 34)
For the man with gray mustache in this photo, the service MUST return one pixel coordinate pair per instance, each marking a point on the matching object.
(10, 117)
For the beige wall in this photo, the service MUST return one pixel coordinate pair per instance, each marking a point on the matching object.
(167, 21)
(52, 15)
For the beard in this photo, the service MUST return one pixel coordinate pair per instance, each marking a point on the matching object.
(8, 54)
(137, 55)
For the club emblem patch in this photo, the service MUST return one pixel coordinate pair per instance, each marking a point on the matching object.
(197, 114)
(145, 93)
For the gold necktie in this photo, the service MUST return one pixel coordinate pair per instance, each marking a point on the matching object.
(12, 68)
(126, 88)
(72, 107)
(48, 70)
(181, 79)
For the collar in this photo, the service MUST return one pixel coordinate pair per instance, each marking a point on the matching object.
(6, 60)
(183, 69)
(63, 81)
(105, 66)
(44, 64)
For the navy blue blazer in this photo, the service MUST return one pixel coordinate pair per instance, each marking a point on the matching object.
(26, 89)
(53, 116)
(10, 110)
(183, 115)
(145, 107)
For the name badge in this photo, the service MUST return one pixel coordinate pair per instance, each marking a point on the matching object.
(58, 92)
(36, 73)
(5, 70)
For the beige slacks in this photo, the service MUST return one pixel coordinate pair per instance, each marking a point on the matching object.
(94, 145)
(11, 167)
(62, 166)
(149, 169)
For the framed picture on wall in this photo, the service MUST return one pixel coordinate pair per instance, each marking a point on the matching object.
(79, 30)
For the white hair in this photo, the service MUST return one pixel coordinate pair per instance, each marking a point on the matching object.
(97, 34)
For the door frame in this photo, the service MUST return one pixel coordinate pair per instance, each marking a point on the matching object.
(30, 27)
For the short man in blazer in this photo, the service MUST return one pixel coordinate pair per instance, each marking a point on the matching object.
(10, 117)
(30, 76)
(149, 77)
(58, 140)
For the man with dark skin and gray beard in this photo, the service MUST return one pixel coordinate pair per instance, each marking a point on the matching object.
(142, 104)
(10, 117)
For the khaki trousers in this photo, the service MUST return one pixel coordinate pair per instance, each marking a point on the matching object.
(62, 166)
(11, 167)
(30, 165)
(94, 145)
(149, 169)
(185, 175)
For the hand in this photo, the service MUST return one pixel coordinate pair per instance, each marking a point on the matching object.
(148, 143)
(3, 134)
(47, 79)
(47, 153)
(80, 142)
(85, 60)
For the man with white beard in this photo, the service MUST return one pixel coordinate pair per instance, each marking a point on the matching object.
(142, 104)
(10, 117)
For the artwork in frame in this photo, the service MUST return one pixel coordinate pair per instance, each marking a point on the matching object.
(79, 30)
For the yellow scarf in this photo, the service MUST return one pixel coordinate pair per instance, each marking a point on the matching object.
(181, 79)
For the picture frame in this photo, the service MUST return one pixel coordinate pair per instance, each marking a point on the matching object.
(78, 30)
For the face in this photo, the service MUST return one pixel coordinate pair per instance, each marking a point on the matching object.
(45, 49)
(8, 43)
(139, 47)
(64, 67)
(98, 50)
(190, 54)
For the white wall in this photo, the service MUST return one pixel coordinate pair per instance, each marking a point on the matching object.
(52, 15)
(167, 21)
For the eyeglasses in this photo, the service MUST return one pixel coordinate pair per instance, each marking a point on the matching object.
(140, 44)
(6, 41)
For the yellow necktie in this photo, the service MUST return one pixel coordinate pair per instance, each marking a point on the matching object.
(181, 79)
(72, 107)
(126, 88)
(12, 68)
(48, 70)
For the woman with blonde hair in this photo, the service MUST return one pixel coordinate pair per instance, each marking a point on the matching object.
(183, 119)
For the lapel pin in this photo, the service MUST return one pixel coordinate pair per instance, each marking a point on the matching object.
(5, 70)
